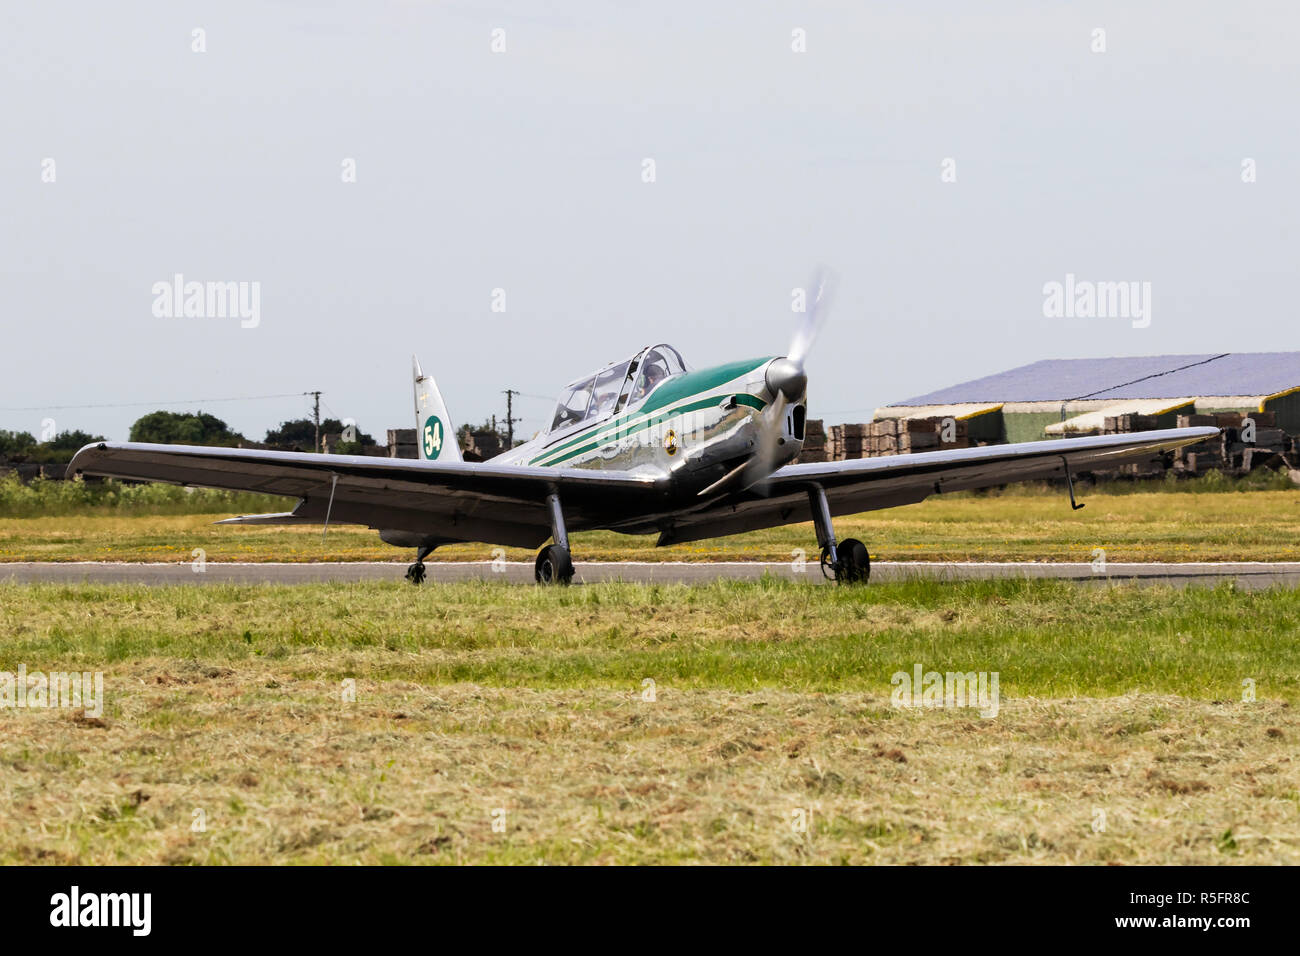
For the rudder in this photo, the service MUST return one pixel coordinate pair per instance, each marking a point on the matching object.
(435, 435)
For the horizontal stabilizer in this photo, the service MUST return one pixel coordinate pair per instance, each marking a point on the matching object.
(278, 517)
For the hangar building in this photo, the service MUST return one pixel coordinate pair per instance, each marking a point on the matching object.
(1060, 397)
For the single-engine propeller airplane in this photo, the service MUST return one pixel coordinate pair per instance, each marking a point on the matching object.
(643, 446)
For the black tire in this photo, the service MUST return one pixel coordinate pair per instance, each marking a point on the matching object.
(855, 562)
(415, 574)
(554, 566)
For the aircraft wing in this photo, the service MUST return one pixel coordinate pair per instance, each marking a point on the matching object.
(869, 484)
(462, 501)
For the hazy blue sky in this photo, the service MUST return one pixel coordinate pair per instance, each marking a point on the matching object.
(522, 171)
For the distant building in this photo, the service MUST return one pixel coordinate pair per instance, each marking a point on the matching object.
(478, 446)
(1059, 397)
(401, 443)
(483, 444)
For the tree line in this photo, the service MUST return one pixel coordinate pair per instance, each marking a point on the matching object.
(179, 428)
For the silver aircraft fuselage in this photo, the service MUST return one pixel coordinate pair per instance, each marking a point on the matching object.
(693, 427)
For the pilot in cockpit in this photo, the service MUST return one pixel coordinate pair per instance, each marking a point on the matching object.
(604, 402)
(654, 372)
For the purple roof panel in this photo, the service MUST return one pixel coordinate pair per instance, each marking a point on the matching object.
(1152, 376)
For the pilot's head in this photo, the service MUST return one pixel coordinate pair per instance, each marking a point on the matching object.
(654, 374)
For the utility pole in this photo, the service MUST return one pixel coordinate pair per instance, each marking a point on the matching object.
(316, 417)
(510, 417)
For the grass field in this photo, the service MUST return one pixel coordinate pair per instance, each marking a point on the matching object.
(1122, 734)
(1152, 526)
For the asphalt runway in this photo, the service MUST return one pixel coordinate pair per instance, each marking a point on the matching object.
(1246, 574)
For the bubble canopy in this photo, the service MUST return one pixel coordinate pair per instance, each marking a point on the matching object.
(615, 387)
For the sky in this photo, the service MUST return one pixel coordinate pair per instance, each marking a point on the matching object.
(469, 182)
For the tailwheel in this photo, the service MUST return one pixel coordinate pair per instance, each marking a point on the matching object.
(415, 573)
(554, 566)
(854, 565)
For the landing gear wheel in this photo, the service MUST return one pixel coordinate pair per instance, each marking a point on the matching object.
(554, 566)
(828, 569)
(854, 565)
(415, 573)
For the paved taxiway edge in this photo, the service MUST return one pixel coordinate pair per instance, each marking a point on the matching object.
(1244, 573)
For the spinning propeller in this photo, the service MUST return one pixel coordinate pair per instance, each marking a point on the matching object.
(787, 381)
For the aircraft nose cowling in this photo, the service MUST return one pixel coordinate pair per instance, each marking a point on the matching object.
(786, 377)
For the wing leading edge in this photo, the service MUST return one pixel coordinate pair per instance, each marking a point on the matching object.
(466, 501)
(870, 484)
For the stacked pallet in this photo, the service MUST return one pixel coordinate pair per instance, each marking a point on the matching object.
(401, 443)
(1229, 451)
(903, 436)
(882, 438)
(1152, 466)
(948, 432)
(1245, 442)
(846, 441)
(484, 444)
(1202, 457)
(888, 436)
(814, 441)
(1124, 424)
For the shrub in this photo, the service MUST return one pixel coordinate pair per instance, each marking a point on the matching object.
(75, 496)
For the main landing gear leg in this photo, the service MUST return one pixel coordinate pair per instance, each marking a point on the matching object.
(415, 573)
(554, 566)
(847, 562)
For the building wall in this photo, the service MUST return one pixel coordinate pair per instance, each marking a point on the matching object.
(1028, 426)
(989, 427)
(1026, 421)
(1287, 409)
(1169, 419)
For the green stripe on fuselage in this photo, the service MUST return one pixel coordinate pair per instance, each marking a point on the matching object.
(692, 383)
(674, 390)
(751, 400)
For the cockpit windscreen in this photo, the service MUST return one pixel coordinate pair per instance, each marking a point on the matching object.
(597, 396)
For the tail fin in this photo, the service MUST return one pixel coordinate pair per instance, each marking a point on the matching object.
(434, 433)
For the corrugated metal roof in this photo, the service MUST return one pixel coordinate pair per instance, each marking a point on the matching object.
(1152, 376)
